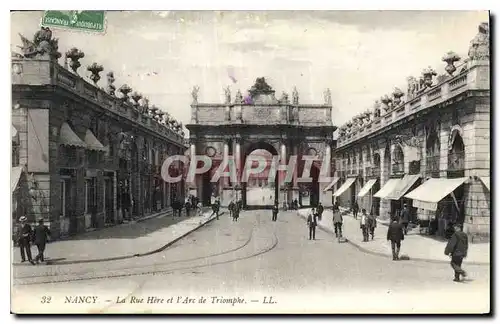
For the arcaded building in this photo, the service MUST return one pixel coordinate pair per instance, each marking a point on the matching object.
(427, 147)
(92, 154)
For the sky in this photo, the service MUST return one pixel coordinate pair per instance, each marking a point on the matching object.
(359, 55)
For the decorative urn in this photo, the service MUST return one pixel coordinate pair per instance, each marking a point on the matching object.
(95, 69)
(450, 58)
(427, 75)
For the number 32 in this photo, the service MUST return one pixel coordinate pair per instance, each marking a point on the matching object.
(46, 299)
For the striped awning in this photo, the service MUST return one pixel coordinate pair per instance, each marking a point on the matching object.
(387, 189)
(331, 184)
(69, 138)
(13, 132)
(486, 181)
(15, 175)
(433, 191)
(344, 187)
(403, 186)
(93, 143)
(366, 187)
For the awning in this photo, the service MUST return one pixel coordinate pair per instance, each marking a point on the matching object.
(367, 187)
(403, 186)
(93, 143)
(15, 175)
(13, 132)
(432, 191)
(69, 138)
(486, 182)
(387, 188)
(344, 187)
(331, 184)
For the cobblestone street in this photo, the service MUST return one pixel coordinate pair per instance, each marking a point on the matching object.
(254, 258)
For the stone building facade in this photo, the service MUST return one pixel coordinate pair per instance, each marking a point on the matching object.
(439, 129)
(93, 155)
(282, 127)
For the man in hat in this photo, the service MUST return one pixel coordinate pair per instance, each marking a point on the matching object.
(405, 218)
(42, 235)
(395, 234)
(24, 234)
(312, 222)
(457, 248)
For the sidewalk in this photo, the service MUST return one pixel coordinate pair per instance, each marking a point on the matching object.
(416, 246)
(124, 241)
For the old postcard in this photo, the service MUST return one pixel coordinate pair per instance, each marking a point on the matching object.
(265, 162)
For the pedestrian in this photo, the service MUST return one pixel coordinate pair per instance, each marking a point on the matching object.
(236, 212)
(337, 221)
(395, 234)
(215, 209)
(275, 212)
(41, 237)
(312, 222)
(355, 209)
(372, 224)
(363, 224)
(200, 209)
(230, 207)
(188, 207)
(405, 218)
(24, 235)
(320, 211)
(457, 248)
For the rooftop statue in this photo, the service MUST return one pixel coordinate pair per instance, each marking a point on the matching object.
(328, 97)
(194, 94)
(260, 86)
(479, 48)
(295, 96)
(42, 46)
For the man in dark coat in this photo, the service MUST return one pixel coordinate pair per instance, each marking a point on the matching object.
(230, 207)
(312, 222)
(355, 209)
(405, 218)
(320, 211)
(188, 207)
(215, 209)
(275, 212)
(395, 234)
(24, 235)
(337, 221)
(41, 237)
(457, 248)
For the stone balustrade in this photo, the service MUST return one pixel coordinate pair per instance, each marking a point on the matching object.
(261, 114)
(475, 77)
(45, 72)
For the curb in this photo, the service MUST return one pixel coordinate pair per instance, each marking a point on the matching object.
(387, 255)
(124, 257)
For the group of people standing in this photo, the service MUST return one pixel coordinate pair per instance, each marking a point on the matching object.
(25, 236)
(234, 209)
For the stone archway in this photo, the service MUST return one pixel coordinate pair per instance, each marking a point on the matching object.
(251, 195)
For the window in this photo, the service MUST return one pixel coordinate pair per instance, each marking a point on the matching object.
(111, 147)
(90, 195)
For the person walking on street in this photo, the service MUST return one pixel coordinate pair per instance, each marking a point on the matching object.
(41, 237)
(355, 209)
(457, 248)
(230, 207)
(275, 212)
(200, 209)
(337, 221)
(312, 222)
(24, 235)
(405, 218)
(236, 212)
(188, 207)
(372, 224)
(363, 224)
(215, 209)
(320, 211)
(395, 234)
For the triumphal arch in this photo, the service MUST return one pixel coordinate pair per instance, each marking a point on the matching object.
(259, 122)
